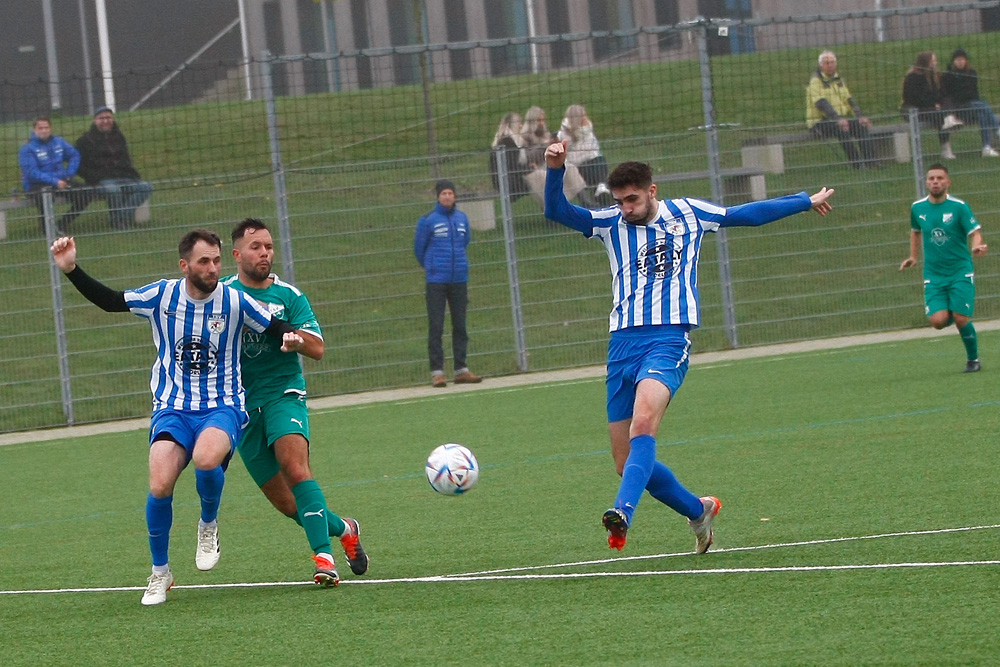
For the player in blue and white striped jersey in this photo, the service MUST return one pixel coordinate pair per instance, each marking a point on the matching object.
(198, 401)
(653, 246)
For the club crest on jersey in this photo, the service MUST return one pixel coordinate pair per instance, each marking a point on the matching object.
(196, 356)
(217, 324)
(675, 228)
(946, 218)
(658, 259)
(276, 309)
(938, 237)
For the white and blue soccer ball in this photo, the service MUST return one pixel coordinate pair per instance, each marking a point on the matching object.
(452, 469)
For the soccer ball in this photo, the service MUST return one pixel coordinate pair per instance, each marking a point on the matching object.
(452, 469)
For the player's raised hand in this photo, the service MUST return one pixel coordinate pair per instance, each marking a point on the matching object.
(555, 155)
(820, 203)
(292, 342)
(64, 253)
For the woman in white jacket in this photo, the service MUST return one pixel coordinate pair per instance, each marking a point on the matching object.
(583, 149)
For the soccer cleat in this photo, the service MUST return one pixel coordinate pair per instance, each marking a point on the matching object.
(207, 554)
(466, 377)
(989, 151)
(616, 523)
(602, 189)
(946, 152)
(351, 541)
(326, 571)
(157, 587)
(951, 121)
(702, 526)
(972, 367)
(438, 381)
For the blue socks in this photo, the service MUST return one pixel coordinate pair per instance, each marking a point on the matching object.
(635, 474)
(664, 487)
(209, 484)
(643, 472)
(159, 517)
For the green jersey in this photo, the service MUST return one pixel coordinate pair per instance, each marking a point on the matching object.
(268, 373)
(945, 228)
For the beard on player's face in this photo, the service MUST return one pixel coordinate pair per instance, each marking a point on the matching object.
(259, 271)
(205, 284)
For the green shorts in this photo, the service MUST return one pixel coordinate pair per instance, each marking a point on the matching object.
(956, 294)
(282, 416)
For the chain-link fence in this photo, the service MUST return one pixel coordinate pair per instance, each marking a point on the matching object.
(342, 178)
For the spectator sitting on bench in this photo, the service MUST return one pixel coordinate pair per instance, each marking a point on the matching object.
(509, 137)
(584, 151)
(960, 89)
(106, 165)
(536, 136)
(832, 112)
(922, 91)
(49, 162)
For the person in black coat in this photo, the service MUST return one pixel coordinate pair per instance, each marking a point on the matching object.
(105, 164)
(960, 89)
(922, 91)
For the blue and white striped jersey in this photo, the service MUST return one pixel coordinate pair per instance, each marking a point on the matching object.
(198, 343)
(654, 267)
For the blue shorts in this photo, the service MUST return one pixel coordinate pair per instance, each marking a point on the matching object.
(184, 427)
(661, 353)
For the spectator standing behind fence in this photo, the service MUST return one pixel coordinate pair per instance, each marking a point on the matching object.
(832, 112)
(960, 89)
(509, 138)
(440, 246)
(945, 228)
(922, 91)
(49, 162)
(583, 149)
(106, 165)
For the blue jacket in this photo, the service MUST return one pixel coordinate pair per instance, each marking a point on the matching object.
(42, 162)
(440, 243)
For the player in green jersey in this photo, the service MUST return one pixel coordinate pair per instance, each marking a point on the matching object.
(946, 229)
(275, 444)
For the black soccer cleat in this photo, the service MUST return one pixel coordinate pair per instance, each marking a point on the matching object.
(972, 367)
(351, 541)
(616, 523)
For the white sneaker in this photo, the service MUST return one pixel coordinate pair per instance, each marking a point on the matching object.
(601, 189)
(156, 590)
(988, 151)
(951, 121)
(702, 526)
(207, 554)
(946, 152)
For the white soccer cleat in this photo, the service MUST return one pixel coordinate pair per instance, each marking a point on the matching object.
(602, 189)
(157, 587)
(702, 526)
(207, 554)
(989, 151)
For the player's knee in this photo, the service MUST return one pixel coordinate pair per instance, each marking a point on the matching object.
(296, 473)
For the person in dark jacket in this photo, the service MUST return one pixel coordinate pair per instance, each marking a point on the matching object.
(440, 246)
(922, 91)
(106, 165)
(49, 163)
(960, 88)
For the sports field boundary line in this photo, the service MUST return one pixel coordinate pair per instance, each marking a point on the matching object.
(508, 574)
(520, 379)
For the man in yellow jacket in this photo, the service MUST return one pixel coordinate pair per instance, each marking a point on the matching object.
(831, 112)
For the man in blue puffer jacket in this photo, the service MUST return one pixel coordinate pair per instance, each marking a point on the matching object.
(50, 162)
(440, 243)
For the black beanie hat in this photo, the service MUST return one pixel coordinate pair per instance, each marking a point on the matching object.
(959, 52)
(443, 185)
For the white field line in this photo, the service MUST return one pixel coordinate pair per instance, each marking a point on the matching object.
(498, 575)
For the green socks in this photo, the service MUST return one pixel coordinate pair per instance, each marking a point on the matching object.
(314, 517)
(968, 334)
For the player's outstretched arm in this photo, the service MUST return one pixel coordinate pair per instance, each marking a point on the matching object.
(820, 202)
(99, 294)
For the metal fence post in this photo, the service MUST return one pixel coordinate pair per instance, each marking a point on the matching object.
(55, 281)
(715, 176)
(917, 150)
(509, 246)
(278, 168)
